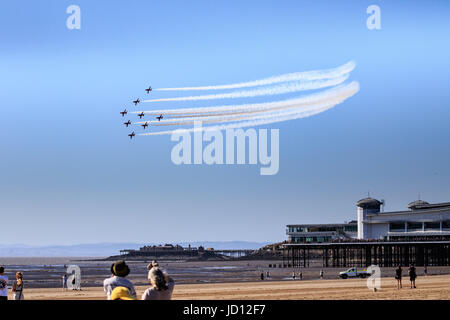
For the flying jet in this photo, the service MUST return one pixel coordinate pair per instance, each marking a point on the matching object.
(149, 89)
(124, 112)
(127, 123)
(140, 115)
(160, 117)
(136, 101)
(145, 125)
(131, 135)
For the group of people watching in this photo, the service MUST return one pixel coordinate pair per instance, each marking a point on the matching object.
(412, 276)
(117, 287)
(17, 287)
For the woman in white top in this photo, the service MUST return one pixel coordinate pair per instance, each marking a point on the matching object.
(162, 286)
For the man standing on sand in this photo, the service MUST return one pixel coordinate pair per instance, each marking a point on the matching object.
(3, 284)
(321, 274)
(412, 275)
(398, 277)
(119, 270)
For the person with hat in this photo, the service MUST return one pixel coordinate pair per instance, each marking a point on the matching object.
(121, 293)
(119, 271)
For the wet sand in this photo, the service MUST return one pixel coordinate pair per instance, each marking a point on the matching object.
(47, 272)
(428, 287)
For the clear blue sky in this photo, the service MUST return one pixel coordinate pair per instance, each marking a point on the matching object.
(70, 175)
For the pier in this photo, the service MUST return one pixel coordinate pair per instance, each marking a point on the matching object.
(169, 250)
(364, 254)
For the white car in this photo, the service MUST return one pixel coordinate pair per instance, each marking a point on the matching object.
(354, 273)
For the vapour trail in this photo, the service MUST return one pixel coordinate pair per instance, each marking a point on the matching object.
(265, 91)
(220, 115)
(258, 122)
(296, 76)
(331, 95)
(291, 111)
(288, 110)
(255, 106)
(242, 124)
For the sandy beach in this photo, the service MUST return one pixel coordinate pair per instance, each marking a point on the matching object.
(223, 280)
(429, 287)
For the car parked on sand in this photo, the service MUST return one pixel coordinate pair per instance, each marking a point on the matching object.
(354, 273)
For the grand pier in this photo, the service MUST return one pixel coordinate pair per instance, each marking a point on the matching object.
(419, 235)
(363, 254)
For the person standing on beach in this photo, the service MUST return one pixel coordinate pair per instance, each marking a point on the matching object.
(412, 276)
(321, 274)
(119, 270)
(17, 287)
(262, 275)
(300, 275)
(267, 274)
(3, 284)
(64, 281)
(425, 270)
(398, 277)
(293, 275)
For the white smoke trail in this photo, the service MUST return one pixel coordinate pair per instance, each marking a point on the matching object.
(242, 124)
(256, 106)
(288, 110)
(297, 76)
(280, 89)
(248, 111)
(267, 115)
(296, 114)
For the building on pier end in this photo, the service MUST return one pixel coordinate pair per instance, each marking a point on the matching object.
(421, 221)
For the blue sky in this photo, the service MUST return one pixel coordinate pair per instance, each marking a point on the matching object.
(70, 174)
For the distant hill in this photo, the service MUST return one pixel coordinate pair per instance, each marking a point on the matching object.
(109, 249)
